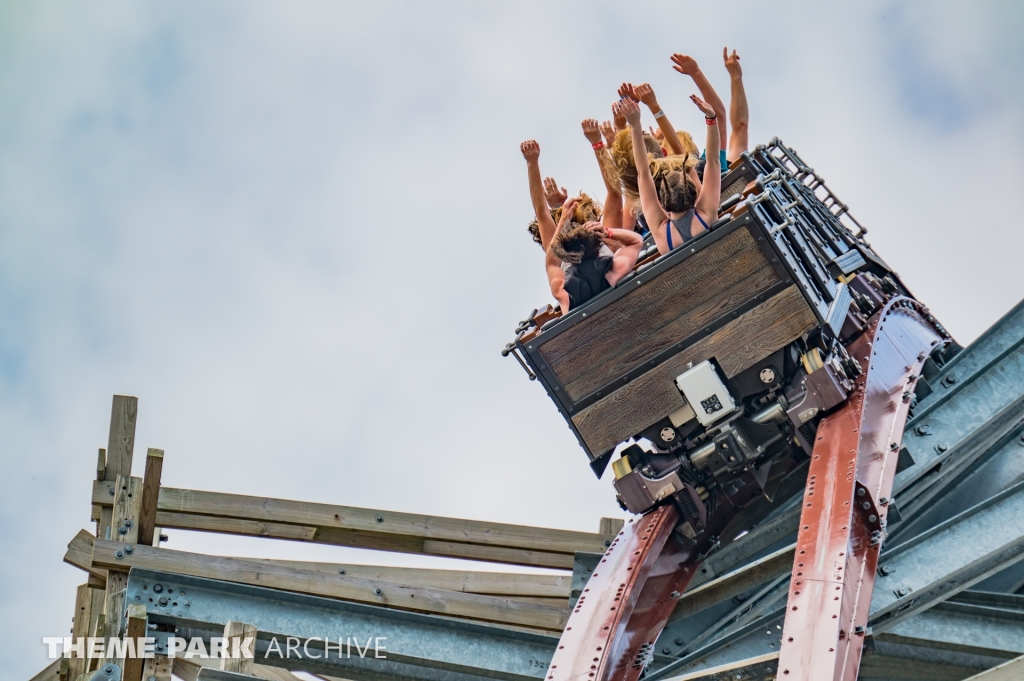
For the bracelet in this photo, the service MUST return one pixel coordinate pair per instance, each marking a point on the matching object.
(660, 114)
(599, 145)
(608, 232)
(711, 121)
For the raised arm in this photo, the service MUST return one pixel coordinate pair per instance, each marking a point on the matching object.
(738, 112)
(612, 215)
(711, 190)
(645, 93)
(627, 249)
(650, 205)
(546, 226)
(554, 194)
(556, 279)
(688, 65)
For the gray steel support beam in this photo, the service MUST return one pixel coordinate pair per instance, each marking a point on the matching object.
(418, 646)
(949, 558)
(921, 573)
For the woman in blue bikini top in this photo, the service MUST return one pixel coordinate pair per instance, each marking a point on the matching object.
(674, 209)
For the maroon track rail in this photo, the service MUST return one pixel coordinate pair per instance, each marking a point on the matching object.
(849, 483)
(625, 605)
(613, 627)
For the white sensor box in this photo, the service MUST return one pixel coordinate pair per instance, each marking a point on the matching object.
(706, 393)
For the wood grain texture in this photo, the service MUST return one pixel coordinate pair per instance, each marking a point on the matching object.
(514, 584)
(344, 587)
(718, 305)
(157, 667)
(150, 492)
(81, 626)
(121, 437)
(627, 331)
(79, 554)
(127, 507)
(50, 673)
(348, 526)
(239, 639)
(131, 664)
(749, 338)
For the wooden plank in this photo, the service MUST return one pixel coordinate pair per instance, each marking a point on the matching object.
(246, 571)
(121, 438)
(80, 628)
(150, 493)
(124, 529)
(610, 526)
(348, 526)
(519, 585)
(251, 528)
(188, 670)
(1008, 671)
(80, 549)
(761, 668)
(127, 505)
(661, 313)
(157, 668)
(239, 653)
(79, 554)
(131, 664)
(50, 673)
(739, 344)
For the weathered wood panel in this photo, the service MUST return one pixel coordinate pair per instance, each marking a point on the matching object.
(658, 313)
(747, 287)
(737, 345)
(275, 576)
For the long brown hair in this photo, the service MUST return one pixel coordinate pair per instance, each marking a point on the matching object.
(575, 243)
(676, 191)
(587, 210)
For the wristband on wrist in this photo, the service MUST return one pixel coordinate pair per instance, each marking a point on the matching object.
(711, 121)
(598, 145)
(659, 114)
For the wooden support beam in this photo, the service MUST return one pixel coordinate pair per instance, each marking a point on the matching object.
(1008, 671)
(517, 585)
(246, 571)
(131, 664)
(157, 668)
(188, 670)
(760, 668)
(369, 528)
(239, 652)
(125, 530)
(88, 606)
(610, 526)
(150, 492)
(118, 454)
(51, 673)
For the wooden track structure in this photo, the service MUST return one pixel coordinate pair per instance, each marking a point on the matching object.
(947, 601)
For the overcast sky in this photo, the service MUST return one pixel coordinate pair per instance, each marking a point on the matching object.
(296, 231)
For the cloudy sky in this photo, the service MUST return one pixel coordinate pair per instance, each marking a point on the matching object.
(296, 231)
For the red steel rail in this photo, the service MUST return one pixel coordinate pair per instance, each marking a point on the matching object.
(613, 627)
(849, 483)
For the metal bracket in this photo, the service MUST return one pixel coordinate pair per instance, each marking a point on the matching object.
(108, 672)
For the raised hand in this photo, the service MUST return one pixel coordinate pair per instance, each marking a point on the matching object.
(568, 212)
(620, 120)
(645, 93)
(732, 63)
(599, 229)
(531, 150)
(656, 133)
(591, 130)
(685, 64)
(703, 106)
(627, 90)
(608, 130)
(554, 195)
(628, 109)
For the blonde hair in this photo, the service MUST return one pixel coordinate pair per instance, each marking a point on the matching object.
(689, 146)
(587, 210)
(676, 191)
(625, 167)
